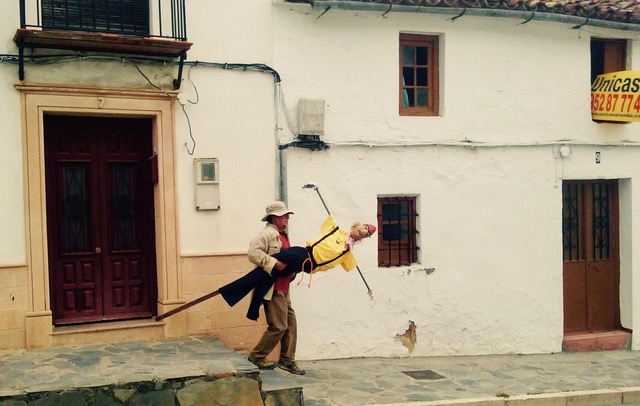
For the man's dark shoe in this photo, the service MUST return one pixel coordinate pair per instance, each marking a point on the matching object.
(291, 367)
(262, 364)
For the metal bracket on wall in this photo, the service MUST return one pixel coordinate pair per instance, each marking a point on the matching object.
(21, 63)
(178, 81)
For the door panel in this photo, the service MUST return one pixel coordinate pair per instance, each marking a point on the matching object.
(591, 273)
(575, 297)
(100, 218)
(75, 272)
(603, 293)
(126, 248)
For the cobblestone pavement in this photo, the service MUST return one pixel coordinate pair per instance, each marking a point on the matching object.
(343, 382)
(378, 381)
(54, 369)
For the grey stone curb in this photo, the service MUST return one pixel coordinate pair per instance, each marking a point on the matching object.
(600, 397)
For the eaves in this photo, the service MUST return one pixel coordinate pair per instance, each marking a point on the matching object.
(613, 14)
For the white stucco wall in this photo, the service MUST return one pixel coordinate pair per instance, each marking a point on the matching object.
(230, 114)
(501, 81)
(489, 215)
(233, 121)
(498, 274)
(12, 236)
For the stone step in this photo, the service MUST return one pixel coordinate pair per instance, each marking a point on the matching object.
(280, 389)
(596, 341)
(186, 372)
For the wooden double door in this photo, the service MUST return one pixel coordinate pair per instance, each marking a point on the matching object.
(100, 218)
(591, 271)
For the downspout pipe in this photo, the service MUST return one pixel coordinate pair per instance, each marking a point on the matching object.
(576, 21)
(282, 176)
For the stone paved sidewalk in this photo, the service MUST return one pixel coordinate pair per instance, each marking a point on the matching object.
(86, 366)
(561, 376)
(173, 367)
(169, 372)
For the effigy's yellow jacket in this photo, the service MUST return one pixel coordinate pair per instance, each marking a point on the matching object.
(331, 249)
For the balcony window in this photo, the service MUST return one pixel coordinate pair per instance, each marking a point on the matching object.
(156, 28)
(115, 16)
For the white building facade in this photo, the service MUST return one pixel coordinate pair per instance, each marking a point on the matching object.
(522, 206)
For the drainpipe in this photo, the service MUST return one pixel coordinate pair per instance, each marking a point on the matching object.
(282, 176)
(460, 11)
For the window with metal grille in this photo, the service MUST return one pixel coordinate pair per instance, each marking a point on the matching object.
(589, 220)
(113, 16)
(397, 231)
(419, 93)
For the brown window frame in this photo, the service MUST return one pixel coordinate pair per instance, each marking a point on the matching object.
(397, 235)
(607, 55)
(428, 67)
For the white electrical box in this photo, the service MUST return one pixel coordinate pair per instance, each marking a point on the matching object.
(311, 117)
(207, 187)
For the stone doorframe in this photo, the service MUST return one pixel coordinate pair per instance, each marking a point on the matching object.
(159, 106)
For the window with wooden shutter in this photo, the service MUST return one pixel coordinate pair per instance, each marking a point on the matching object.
(607, 55)
(113, 16)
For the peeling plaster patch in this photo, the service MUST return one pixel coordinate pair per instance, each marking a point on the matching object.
(408, 338)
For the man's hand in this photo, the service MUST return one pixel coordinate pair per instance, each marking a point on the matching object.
(279, 266)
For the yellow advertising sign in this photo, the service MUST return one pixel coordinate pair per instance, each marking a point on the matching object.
(615, 96)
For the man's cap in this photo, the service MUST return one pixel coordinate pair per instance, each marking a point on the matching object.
(276, 209)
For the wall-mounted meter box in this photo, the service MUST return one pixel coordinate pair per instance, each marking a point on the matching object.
(207, 187)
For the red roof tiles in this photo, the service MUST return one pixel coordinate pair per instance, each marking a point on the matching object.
(620, 11)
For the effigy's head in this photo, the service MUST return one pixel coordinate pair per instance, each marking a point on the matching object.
(360, 231)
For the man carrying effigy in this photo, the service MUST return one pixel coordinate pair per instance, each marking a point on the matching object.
(277, 264)
(334, 247)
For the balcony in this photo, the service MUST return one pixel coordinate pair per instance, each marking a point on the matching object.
(154, 28)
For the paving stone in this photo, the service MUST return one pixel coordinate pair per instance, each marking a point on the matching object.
(164, 397)
(553, 399)
(594, 398)
(228, 391)
(103, 398)
(123, 394)
(630, 395)
(285, 397)
(61, 399)
(12, 402)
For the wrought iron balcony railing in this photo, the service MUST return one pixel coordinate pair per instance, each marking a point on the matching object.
(151, 18)
(141, 27)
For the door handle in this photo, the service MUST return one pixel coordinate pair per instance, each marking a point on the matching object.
(98, 250)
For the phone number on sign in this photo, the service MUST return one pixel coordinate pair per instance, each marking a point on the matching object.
(615, 102)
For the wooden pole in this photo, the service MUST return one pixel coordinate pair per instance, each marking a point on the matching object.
(187, 305)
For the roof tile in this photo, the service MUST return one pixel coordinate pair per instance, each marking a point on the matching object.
(622, 11)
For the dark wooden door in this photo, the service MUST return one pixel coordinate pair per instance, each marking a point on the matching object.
(591, 274)
(99, 218)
